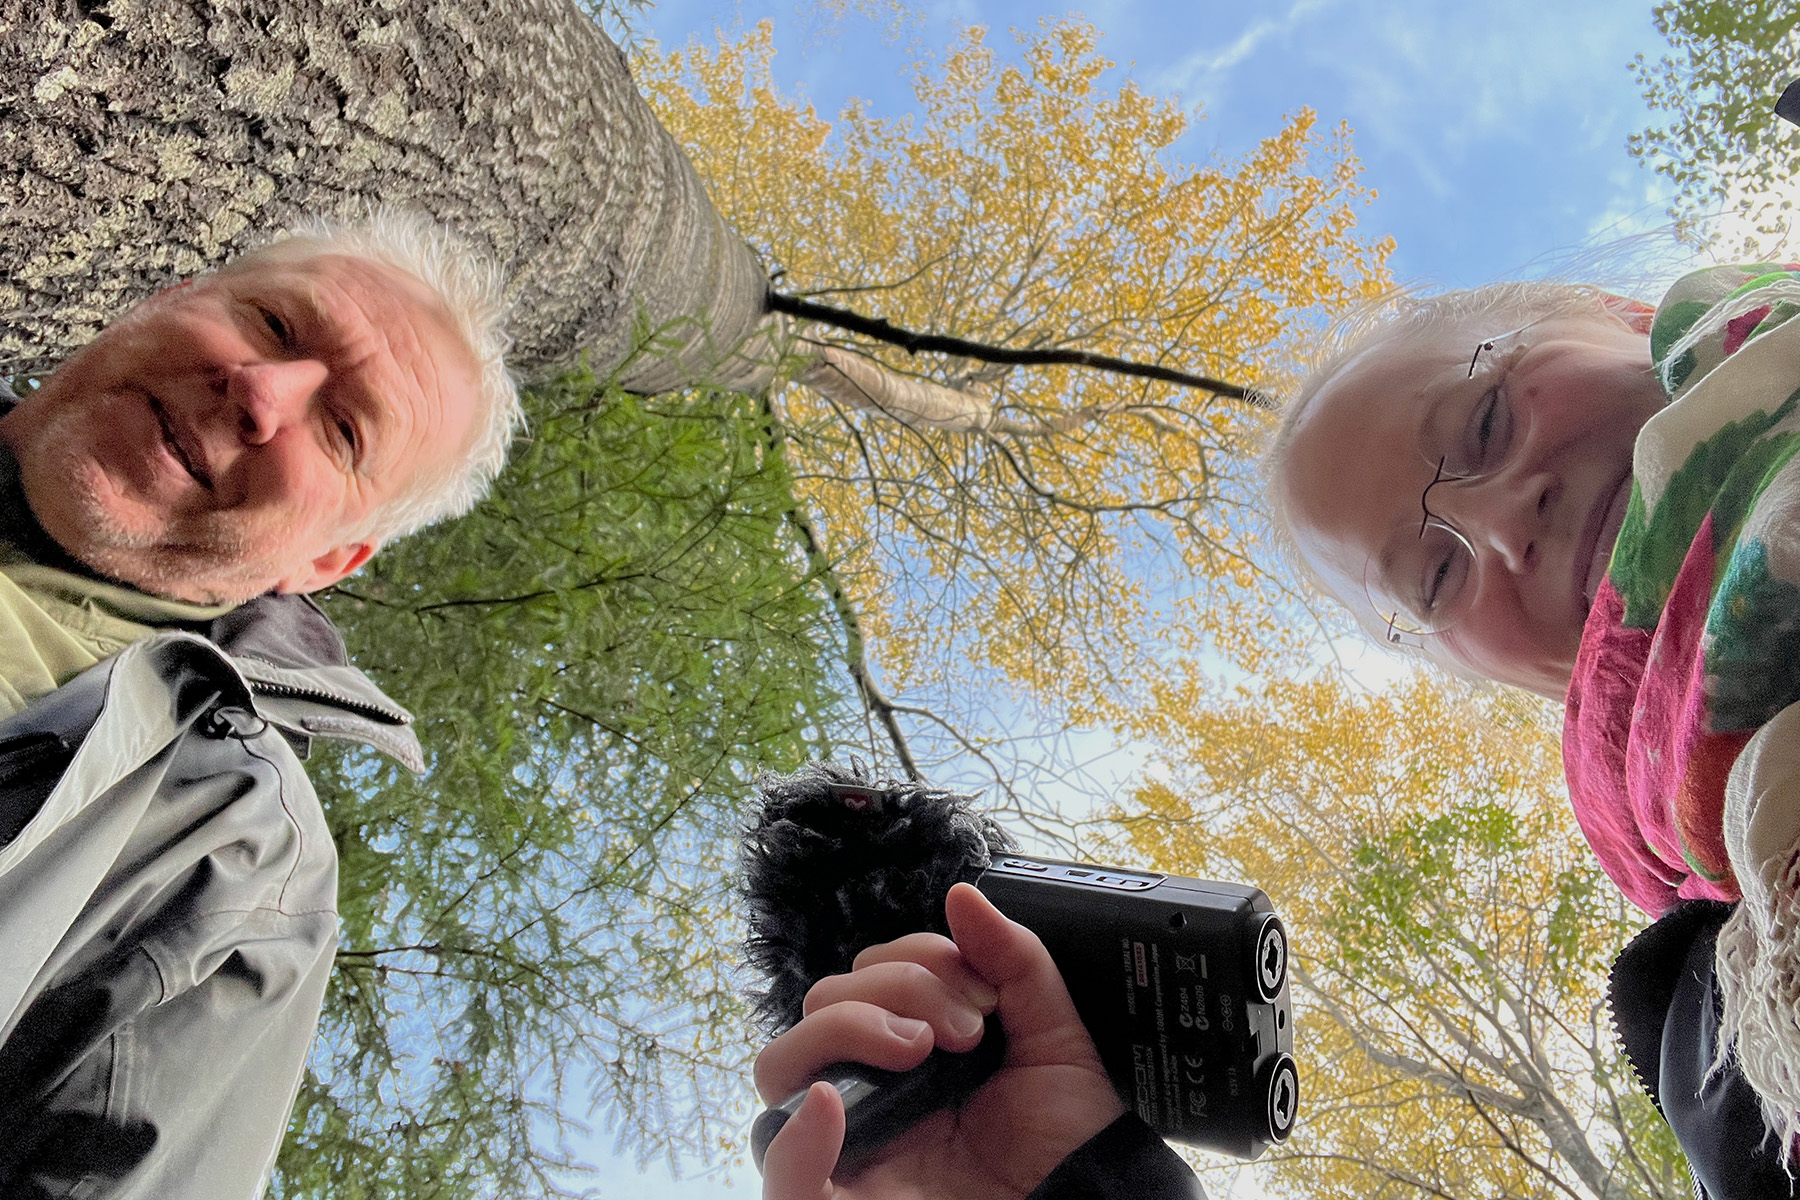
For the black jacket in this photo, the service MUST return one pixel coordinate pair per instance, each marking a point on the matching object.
(1124, 1161)
(1665, 1005)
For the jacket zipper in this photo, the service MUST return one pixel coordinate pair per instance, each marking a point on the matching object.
(320, 695)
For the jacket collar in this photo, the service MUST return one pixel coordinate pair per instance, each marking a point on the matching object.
(285, 647)
(1642, 983)
(295, 661)
(332, 701)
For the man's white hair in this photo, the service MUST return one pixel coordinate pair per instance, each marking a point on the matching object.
(472, 293)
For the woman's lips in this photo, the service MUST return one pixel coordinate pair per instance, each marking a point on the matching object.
(1604, 526)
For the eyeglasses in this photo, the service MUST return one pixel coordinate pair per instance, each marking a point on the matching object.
(1418, 581)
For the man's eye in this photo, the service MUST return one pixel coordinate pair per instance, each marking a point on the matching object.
(276, 325)
(346, 433)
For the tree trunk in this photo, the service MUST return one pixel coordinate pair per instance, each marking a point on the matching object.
(143, 140)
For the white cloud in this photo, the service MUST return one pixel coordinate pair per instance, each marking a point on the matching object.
(1430, 84)
(1464, 74)
(1200, 75)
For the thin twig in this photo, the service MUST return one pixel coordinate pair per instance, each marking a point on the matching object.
(875, 702)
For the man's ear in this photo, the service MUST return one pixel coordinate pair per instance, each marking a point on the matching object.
(329, 567)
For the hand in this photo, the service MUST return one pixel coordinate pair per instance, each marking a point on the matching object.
(899, 1001)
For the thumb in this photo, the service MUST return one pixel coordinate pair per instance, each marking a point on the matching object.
(800, 1159)
(1040, 1020)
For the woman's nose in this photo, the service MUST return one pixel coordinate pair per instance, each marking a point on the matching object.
(1505, 515)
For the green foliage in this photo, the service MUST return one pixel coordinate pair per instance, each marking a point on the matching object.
(1432, 881)
(1722, 144)
(621, 19)
(1397, 882)
(601, 656)
(1434, 916)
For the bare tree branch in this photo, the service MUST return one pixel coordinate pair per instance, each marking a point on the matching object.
(929, 343)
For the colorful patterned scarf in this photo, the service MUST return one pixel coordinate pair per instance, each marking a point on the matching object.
(1693, 642)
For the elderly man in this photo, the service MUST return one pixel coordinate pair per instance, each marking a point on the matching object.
(167, 879)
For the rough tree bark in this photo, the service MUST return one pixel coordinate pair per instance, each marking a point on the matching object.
(143, 140)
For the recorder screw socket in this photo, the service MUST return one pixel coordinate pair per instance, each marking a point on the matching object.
(1281, 1084)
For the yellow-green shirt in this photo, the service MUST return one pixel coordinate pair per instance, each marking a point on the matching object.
(55, 624)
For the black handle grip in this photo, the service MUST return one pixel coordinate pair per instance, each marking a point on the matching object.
(880, 1105)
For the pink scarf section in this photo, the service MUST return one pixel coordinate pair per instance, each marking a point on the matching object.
(1646, 777)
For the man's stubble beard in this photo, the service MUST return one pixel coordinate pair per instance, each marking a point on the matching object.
(200, 559)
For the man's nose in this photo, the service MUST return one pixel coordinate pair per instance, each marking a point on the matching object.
(1505, 515)
(272, 395)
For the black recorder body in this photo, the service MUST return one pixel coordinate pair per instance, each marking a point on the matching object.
(1182, 983)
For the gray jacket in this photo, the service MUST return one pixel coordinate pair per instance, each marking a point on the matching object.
(168, 912)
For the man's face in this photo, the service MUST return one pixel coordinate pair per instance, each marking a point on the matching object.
(232, 435)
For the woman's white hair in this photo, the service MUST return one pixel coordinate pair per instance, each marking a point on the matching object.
(473, 295)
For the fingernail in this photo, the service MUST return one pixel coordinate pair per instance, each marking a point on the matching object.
(968, 1024)
(905, 1028)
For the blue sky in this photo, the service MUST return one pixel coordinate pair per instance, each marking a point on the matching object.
(1493, 132)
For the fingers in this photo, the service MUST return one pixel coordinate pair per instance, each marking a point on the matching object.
(899, 1000)
(1041, 1023)
(911, 989)
(800, 1159)
(848, 1031)
(938, 955)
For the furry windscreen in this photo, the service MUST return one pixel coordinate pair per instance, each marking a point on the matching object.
(835, 860)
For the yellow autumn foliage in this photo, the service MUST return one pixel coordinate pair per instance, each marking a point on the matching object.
(1095, 544)
(1452, 931)
(1031, 203)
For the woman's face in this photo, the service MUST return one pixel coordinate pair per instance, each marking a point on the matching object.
(1545, 426)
